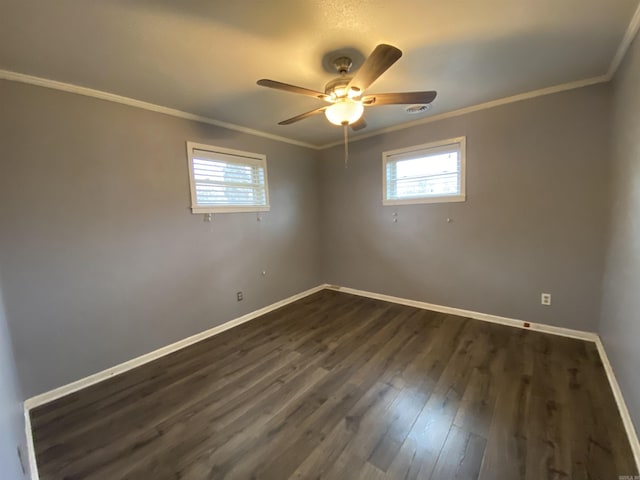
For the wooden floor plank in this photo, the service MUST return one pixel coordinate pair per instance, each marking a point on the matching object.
(336, 386)
(461, 456)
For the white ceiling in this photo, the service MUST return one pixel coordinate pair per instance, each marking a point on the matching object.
(204, 57)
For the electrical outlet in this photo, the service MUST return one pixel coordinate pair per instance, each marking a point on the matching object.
(545, 299)
(239, 296)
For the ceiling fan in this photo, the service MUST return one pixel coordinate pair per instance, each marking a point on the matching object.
(344, 94)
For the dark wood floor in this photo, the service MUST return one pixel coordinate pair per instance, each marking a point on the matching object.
(343, 387)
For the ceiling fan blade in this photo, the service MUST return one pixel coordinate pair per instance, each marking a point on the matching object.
(402, 98)
(359, 125)
(264, 82)
(382, 57)
(302, 116)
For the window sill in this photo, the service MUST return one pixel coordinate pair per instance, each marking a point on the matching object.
(249, 209)
(417, 201)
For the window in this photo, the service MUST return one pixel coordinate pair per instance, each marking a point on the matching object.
(430, 173)
(224, 180)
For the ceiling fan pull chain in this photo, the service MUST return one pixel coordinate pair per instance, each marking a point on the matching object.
(345, 125)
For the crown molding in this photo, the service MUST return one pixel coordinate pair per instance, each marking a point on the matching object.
(482, 106)
(627, 40)
(132, 102)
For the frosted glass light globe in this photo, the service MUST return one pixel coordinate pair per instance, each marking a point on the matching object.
(344, 110)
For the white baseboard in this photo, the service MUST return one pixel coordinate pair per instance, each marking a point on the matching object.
(565, 332)
(512, 322)
(31, 451)
(622, 406)
(59, 392)
(136, 362)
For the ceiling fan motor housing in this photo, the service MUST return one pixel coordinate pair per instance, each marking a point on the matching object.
(338, 87)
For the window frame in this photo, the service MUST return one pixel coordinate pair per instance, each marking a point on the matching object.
(252, 159)
(420, 149)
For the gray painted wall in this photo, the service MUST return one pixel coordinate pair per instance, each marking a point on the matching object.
(101, 258)
(533, 222)
(11, 416)
(620, 322)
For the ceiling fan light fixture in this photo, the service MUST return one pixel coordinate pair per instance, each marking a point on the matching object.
(344, 111)
(354, 92)
(340, 92)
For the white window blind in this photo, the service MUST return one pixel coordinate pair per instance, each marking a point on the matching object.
(425, 174)
(225, 180)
